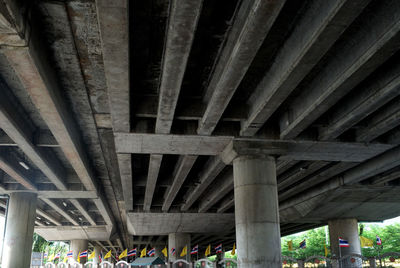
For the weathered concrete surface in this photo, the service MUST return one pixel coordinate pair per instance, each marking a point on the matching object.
(19, 230)
(258, 235)
(61, 233)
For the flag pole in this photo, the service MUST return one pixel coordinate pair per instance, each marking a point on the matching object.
(340, 255)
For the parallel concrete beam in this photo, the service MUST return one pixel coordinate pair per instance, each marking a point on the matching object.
(13, 169)
(83, 211)
(60, 211)
(354, 60)
(40, 138)
(319, 27)
(182, 169)
(368, 99)
(16, 127)
(50, 218)
(220, 189)
(226, 203)
(386, 119)
(211, 170)
(251, 25)
(180, 33)
(154, 168)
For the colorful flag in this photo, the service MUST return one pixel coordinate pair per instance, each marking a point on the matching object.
(101, 257)
(195, 250)
(290, 245)
(51, 257)
(45, 255)
(303, 244)
(83, 254)
(218, 249)
(378, 240)
(108, 255)
(366, 243)
(58, 255)
(132, 252)
(165, 251)
(184, 251)
(233, 249)
(65, 259)
(143, 253)
(123, 254)
(151, 252)
(208, 250)
(70, 254)
(343, 243)
(326, 250)
(92, 255)
(79, 258)
(173, 251)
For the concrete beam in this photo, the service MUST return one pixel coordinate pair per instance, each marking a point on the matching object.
(354, 60)
(220, 189)
(60, 210)
(317, 30)
(129, 143)
(47, 216)
(154, 168)
(303, 150)
(182, 25)
(14, 170)
(78, 205)
(369, 98)
(125, 171)
(16, 127)
(211, 170)
(384, 120)
(250, 27)
(226, 203)
(65, 233)
(41, 138)
(182, 169)
(166, 223)
(60, 194)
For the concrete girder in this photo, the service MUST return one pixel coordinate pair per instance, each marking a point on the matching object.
(317, 30)
(78, 204)
(182, 21)
(60, 210)
(253, 21)
(386, 119)
(44, 214)
(211, 170)
(355, 59)
(367, 169)
(370, 98)
(14, 170)
(41, 138)
(220, 189)
(63, 233)
(182, 169)
(226, 203)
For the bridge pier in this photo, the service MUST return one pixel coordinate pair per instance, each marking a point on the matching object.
(348, 230)
(21, 215)
(178, 241)
(79, 245)
(97, 250)
(256, 212)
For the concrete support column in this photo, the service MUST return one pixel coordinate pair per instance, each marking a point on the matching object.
(77, 246)
(178, 241)
(348, 230)
(19, 230)
(256, 212)
(97, 250)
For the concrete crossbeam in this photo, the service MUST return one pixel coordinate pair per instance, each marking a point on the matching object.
(314, 34)
(211, 170)
(253, 21)
(354, 60)
(65, 233)
(40, 139)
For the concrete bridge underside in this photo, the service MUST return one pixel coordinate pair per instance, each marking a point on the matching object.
(129, 121)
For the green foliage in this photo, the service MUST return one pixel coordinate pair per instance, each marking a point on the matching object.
(315, 238)
(41, 245)
(315, 241)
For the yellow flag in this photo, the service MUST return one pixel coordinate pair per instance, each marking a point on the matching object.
(326, 250)
(143, 253)
(290, 245)
(233, 249)
(108, 255)
(92, 255)
(51, 257)
(165, 252)
(123, 254)
(366, 243)
(184, 251)
(208, 250)
(65, 259)
(79, 257)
